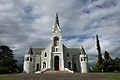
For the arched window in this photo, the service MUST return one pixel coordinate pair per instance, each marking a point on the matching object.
(30, 59)
(85, 58)
(45, 55)
(56, 41)
(81, 59)
(67, 54)
(26, 58)
(44, 64)
(69, 64)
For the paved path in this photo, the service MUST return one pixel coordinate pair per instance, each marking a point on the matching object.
(58, 76)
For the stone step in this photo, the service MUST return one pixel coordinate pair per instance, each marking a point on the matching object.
(56, 72)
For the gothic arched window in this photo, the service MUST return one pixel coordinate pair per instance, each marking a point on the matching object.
(26, 58)
(44, 64)
(30, 59)
(85, 58)
(67, 54)
(45, 55)
(81, 59)
(56, 41)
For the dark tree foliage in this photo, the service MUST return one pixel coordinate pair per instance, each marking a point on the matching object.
(100, 59)
(107, 56)
(7, 61)
(108, 65)
(98, 44)
(117, 64)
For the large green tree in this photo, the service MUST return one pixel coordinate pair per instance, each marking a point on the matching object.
(7, 61)
(108, 65)
(100, 59)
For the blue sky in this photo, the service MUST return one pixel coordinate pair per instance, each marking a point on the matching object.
(25, 22)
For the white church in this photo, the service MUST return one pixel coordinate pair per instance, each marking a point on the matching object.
(56, 56)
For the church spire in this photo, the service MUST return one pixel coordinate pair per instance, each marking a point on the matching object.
(56, 27)
(57, 20)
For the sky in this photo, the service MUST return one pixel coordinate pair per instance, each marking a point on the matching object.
(29, 22)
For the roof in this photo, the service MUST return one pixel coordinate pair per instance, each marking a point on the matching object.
(82, 50)
(75, 51)
(36, 51)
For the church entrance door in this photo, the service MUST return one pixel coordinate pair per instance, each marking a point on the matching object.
(75, 69)
(56, 63)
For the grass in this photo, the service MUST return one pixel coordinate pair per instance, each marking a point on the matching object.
(107, 76)
(6, 76)
(111, 76)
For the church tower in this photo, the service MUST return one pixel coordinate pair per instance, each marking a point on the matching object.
(83, 61)
(28, 62)
(57, 46)
(56, 35)
(56, 32)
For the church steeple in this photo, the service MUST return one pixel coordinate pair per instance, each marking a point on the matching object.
(57, 20)
(56, 27)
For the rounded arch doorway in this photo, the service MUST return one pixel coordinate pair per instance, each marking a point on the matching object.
(56, 63)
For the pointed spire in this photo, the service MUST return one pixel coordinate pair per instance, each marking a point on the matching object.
(82, 50)
(57, 20)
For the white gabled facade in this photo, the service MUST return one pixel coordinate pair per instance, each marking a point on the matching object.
(55, 57)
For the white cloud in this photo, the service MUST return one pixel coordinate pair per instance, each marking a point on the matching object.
(29, 21)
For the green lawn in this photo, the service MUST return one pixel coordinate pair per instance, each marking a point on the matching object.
(111, 76)
(5, 76)
(107, 76)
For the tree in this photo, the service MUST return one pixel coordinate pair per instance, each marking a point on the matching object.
(100, 59)
(107, 56)
(97, 67)
(7, 61)
(117, 64)
(107, 65)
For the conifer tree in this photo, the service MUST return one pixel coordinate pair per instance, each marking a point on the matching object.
(107, 56)
(100, 59)
(7, 61)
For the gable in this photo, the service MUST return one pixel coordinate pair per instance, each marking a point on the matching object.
(36, 51)
(75, 51)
